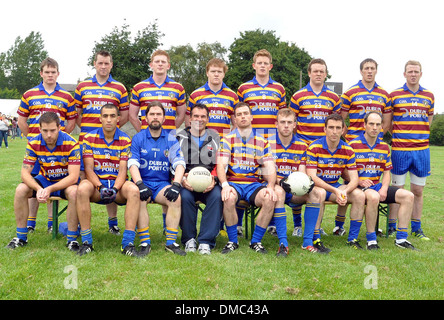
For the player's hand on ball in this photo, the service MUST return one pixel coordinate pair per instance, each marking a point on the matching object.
(283, 183)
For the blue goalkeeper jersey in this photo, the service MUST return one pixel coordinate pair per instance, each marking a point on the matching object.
(155, 157)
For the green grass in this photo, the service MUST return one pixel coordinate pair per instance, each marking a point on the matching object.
(41, 270)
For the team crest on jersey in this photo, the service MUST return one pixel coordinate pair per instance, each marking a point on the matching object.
(63, 161)
(77, 154)
(381, 157)
(60, 104)
(171, 95)
(341, 162)
(166, 153)
(295, 157)
(381, 100)
(226, 103)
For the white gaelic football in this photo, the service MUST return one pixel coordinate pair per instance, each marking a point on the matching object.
(299, 183)
(199, 178)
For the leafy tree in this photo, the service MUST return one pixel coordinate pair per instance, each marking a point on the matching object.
(131, 57)
(289, 61)
(6, 93)
(188, 66)
(437, 130)
(21, 63)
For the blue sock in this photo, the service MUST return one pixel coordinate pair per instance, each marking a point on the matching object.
(280, 219)
(31, 222)
(71, 235)
(392, 224)
(355, 226)
(371, 236)
(144, 235)
(240, 216)
(22, 233)
(112, 222)
(164, 220)
(401, 234)
(171, 235)
(258, 234)
(49, 222)
(311, 215)
(416, 225)
(316, 235)
(297, 216)
(339, 221)
(232, 233)
(128, 237)
(86, 236)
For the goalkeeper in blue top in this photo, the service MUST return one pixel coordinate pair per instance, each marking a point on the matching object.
(154, 153)
(105, 156)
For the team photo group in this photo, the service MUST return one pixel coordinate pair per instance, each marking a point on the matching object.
(207, 157)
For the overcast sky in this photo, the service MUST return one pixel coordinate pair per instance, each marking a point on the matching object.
(341, 32)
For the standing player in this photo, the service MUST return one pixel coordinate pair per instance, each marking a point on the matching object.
(48, 96)
(105, 157)
(153, 151)
(242, 155)
(89, 97)
(158, 87)
(265, 97)
(413, 108)
(314, 103)
(289, 154)
(327, 158)
(363, 97)
(373, 161)
(215, 94)
(59, 157)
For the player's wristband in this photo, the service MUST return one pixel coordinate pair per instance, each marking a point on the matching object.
(224, 184)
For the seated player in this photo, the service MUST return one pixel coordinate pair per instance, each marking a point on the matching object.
(105, 157)
(199, 146)
(289, 154)
(153, 152)
(242, 155)
(373, 161)
(327, 158)
(59, 157)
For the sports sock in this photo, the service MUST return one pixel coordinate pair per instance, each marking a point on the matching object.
(112, 222)
(71, 235)
(280, 219)
(232, 233)
(401, 234)
(31, 222)
(297, 216)
(355, 225)
(128, 237)
(164, 220)
(50, 222)
(171, 235)
(144, 235)
(392, 223)
(86, 236)
(22, 233)
(311, 215)
(257, 234)
(371, 236)
(240, 216)
(339, 221)
(316, 235)
(416, 224)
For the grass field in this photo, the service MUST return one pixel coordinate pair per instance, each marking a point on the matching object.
(46, 270)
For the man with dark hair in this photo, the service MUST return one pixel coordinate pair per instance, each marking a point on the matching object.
(327, 159)
(48, 96)
(373, 161)
(89, 97)
(59, 157)
(199, 146)
(105, 155)
(154, 152)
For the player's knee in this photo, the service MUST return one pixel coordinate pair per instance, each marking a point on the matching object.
(316, 195)
(23, 191)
